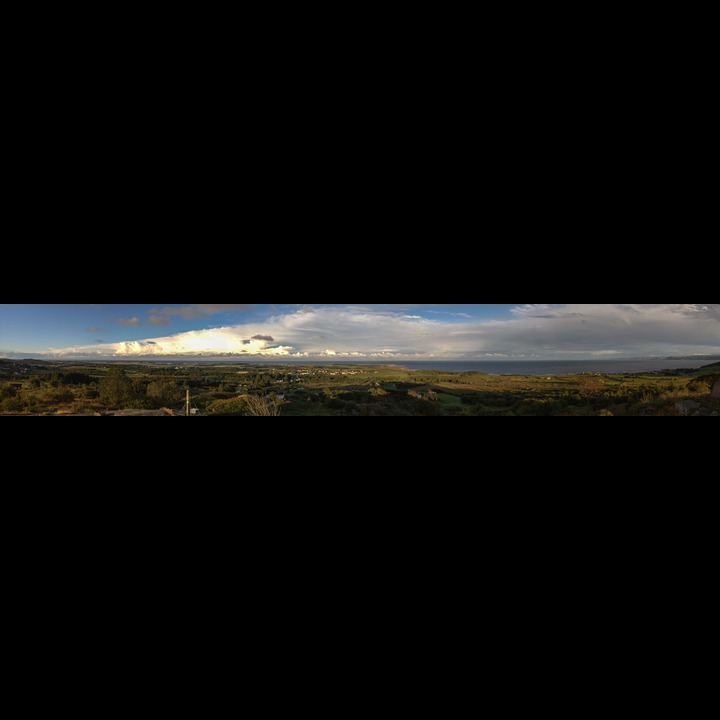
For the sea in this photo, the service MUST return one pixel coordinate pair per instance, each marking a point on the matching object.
(561, 367)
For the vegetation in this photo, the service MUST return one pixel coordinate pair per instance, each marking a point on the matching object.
(56, 388)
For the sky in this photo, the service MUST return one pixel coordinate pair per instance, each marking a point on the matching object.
(360, 331)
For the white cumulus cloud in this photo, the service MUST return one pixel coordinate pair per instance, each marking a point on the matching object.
(544, 330)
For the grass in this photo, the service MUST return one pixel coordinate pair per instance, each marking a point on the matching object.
(448, 399)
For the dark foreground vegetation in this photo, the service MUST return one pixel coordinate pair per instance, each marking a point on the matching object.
(53, 388)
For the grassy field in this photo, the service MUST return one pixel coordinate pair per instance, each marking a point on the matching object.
(34, 388)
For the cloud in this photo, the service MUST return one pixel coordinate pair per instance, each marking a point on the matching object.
(396, 333)
(193, 311)
(132, 322)
(158, 320)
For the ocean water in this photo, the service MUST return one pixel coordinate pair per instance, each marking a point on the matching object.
(561, 367)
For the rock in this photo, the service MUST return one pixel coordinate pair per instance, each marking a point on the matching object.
(716, 390)
(687, 407)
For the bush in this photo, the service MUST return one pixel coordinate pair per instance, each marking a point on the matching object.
(701, 385)
(260, 406)
(12, 404)
(7, 391)
(62, 396)
(234, 406)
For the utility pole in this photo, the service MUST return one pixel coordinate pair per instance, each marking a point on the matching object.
(187, 404)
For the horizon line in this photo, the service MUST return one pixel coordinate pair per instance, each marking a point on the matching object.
(351, 361)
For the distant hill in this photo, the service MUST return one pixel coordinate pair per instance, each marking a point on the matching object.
(25, 361)
(710, 372)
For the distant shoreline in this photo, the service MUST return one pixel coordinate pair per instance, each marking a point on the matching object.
(564, 367)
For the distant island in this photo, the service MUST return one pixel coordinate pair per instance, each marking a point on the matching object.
(55, 388)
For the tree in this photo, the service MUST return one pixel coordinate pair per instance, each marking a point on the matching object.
(164, 391)
(260, 406)
(116, 388)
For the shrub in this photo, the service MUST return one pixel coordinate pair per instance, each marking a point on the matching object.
(7, 391)
(260, 406)
(62, 396)
(234, 406)
(12, 404)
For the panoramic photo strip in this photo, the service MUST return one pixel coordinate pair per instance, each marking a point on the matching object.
(359, 360)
